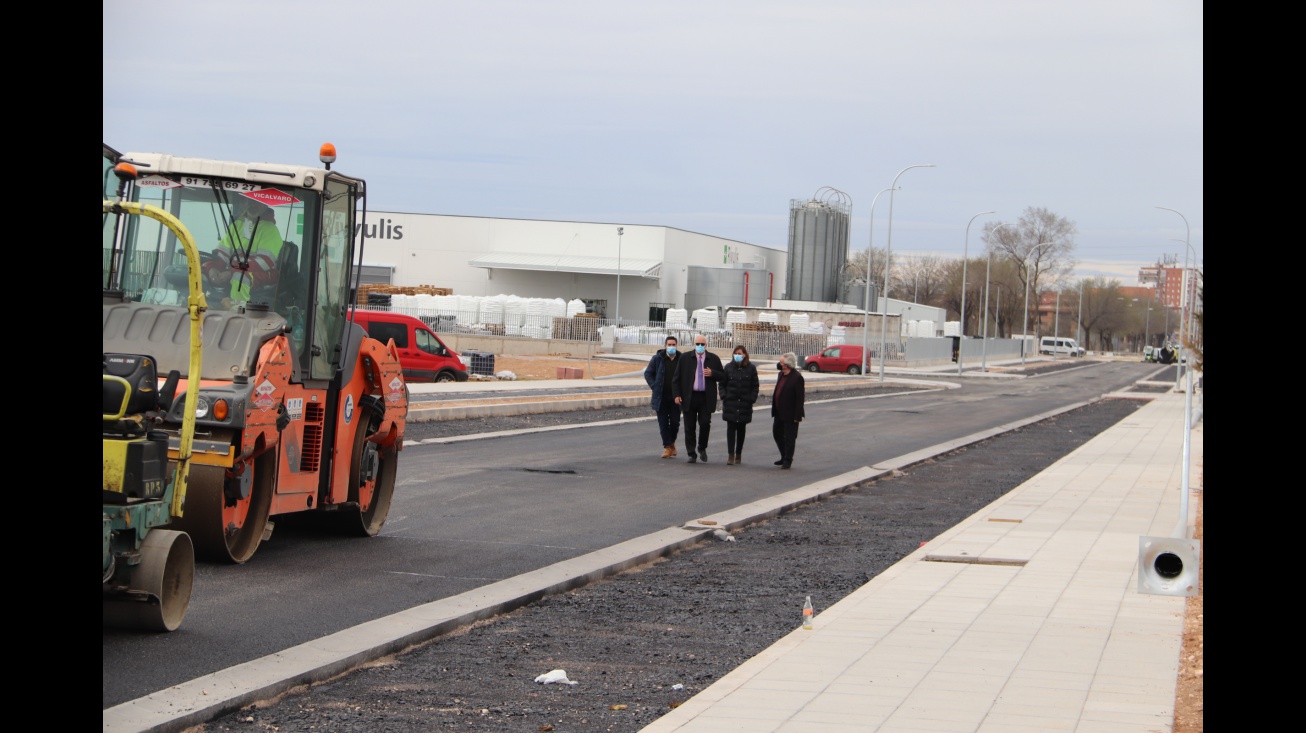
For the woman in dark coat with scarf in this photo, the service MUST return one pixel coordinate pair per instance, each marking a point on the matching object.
(738, 393)
(787, 408)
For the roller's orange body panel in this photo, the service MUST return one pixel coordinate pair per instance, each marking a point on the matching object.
(302, 446)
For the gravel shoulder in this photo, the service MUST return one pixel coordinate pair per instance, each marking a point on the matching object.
(640, 643)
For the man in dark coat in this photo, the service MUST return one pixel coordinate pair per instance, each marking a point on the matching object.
(787, 408)
(695, 390)
(660, 375)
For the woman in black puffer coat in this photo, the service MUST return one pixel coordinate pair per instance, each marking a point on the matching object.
(738, 391)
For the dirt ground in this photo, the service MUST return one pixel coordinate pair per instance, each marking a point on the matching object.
(642, 642)
(1188, 696)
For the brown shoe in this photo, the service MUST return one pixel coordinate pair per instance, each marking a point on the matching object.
(739, 459)
(666, 451)
(730, 459)
(673, 452)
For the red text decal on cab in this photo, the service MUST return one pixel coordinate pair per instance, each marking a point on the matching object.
(272, 197)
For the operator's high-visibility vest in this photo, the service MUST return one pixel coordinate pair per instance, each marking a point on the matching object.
(262, 263)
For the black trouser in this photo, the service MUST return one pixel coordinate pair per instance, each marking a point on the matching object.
(668, 420)
(786, 435)
(735, 437)
(697, 415)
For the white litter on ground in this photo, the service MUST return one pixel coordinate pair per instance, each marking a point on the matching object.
(557, 675)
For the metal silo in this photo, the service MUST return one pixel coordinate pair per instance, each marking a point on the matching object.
(818, 245)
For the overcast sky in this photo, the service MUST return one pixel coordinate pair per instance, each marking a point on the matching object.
(705, 115)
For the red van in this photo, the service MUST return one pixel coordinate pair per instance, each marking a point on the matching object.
(422, 354)
(841, 358)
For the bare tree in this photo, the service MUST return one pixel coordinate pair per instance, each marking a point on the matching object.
(951, 297)
(856, 269)
(1020, 258)
(1102, 310)
(923, 278)
(1196, 343)
(1040, 244)
(1005, 299)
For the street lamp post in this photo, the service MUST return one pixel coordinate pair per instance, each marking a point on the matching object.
(1079, 322)
(965, 254)
(1147, 320)
(1189, 288)
(1024, 318)
(620, 231)
(866, 324)
(984, 351)
(1186, 297)
(1181, 530)
(888, 260)
(1056, 324)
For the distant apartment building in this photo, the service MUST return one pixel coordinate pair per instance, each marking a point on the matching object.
(1175, 286)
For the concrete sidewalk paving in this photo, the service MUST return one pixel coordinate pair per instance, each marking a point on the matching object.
(1024, 618)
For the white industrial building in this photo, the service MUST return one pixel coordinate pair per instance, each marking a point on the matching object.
(659, 267)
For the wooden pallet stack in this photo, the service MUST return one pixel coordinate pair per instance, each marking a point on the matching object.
(581, 327)
(761, 337)
(760, 326)
(384, 289)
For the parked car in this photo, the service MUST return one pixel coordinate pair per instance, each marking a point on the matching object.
(423, 356)
(841, 358)
(1055, 346)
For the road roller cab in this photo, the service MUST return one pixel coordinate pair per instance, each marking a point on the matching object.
(297, 410)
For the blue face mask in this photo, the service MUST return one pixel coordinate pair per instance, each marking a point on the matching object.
(739, 358)
(699, 348)
(671, 351)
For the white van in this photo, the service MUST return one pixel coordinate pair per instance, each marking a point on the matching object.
(1054, 346)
